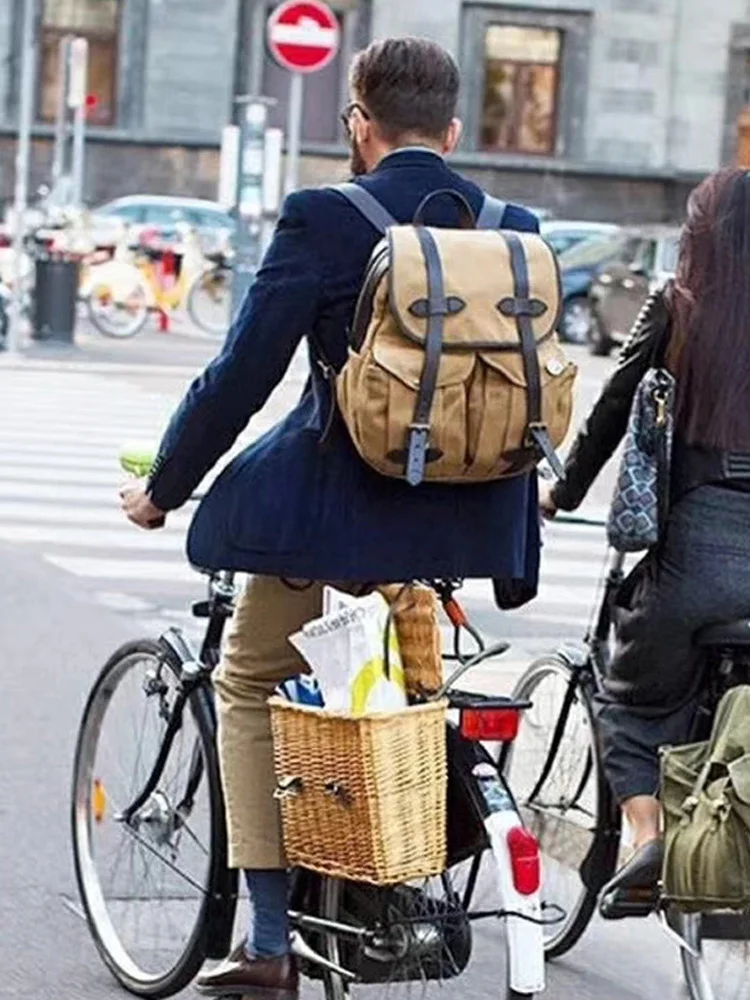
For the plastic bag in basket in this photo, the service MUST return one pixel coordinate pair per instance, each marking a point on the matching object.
(346, 651)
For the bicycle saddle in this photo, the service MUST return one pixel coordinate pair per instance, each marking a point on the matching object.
(730, 634)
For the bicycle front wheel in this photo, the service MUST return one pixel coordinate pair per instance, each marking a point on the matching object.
(209, 301)
(555, 772)
(145, 879)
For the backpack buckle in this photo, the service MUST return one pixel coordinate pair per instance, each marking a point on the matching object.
(533, 431)
(537, 437)
(416, 459)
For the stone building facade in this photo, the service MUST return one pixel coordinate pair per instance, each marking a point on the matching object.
(591, 108)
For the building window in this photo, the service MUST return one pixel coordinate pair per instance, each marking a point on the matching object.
(522, 73)
(97, 21)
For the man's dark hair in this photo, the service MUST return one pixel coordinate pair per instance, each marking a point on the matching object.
(408, 85)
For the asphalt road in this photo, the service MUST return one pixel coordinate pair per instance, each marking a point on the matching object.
(56, 630)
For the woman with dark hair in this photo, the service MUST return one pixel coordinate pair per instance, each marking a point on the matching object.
(699, 574)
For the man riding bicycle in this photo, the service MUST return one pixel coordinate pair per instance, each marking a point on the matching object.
(299, 505)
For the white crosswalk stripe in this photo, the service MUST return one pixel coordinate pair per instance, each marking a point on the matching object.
(60, 435)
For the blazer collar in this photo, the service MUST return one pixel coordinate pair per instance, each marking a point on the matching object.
(410, 156)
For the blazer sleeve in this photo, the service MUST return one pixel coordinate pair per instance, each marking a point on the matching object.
(279, 309)
(520, 219)
(605, 427)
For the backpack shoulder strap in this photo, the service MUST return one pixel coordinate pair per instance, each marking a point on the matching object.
(367, 205)
(492, 213)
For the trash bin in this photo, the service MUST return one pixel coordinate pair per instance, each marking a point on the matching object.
(55, 298)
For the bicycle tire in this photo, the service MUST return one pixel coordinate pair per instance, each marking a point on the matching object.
(703, 981)
(112, 331)
(331, 891)
(331, 896)
(196, 286)
(601, 858)
(185, 968)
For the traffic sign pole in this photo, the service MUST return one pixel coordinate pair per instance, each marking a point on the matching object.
(294, 132)
(303, 36)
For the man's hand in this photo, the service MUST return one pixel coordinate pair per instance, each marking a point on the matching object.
(547, 506)
(139, 509)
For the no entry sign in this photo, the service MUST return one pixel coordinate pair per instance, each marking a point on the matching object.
(303, 35)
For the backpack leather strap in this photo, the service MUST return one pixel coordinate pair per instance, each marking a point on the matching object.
(437, 307)
(367, 205)
(536, 433)
(492, 213)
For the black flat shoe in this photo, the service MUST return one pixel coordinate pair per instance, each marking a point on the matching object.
(634, 891)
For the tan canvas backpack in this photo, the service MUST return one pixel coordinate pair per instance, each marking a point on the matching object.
(455, 373)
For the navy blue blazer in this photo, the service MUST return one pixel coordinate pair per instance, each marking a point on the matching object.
(287, 506)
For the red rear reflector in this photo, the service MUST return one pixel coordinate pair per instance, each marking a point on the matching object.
(495, 725)
(524, 860)
(455, 613)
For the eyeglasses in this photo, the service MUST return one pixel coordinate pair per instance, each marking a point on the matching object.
(346, 115)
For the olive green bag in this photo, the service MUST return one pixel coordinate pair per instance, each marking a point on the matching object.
(706, 799)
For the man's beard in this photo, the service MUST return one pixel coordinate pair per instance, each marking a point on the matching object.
(356, 162)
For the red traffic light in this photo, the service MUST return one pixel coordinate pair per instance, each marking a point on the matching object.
(91, 102)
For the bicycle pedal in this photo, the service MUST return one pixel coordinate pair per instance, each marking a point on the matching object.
(621, 905)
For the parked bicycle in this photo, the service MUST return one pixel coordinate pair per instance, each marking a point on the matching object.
(142, 280)
(150, 841)
(555, 769)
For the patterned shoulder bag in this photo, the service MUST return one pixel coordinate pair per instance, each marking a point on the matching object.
(640, 505)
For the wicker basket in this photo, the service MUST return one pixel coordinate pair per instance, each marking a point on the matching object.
(363, 798)
(415, 614)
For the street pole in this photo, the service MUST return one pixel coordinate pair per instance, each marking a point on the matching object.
(79, 57)
(250, 182)
(257, 46)
(79, 155)
(294, 133)
(61, 125)
(23, 156)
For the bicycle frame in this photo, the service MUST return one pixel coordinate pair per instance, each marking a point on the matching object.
(478, 795)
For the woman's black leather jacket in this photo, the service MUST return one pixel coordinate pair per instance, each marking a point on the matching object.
(605, 427)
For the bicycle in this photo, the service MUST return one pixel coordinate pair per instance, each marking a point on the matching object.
(556, 770)
(150, 840)
(121, 293)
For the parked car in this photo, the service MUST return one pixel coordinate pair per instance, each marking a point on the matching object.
(564, 234)
(647, 259)
(581, 249)
(163, 213)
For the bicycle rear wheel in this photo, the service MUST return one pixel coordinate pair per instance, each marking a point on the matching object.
(422, 939)
(715, 969)
(145, 881)
(555, 772)
(117, 303)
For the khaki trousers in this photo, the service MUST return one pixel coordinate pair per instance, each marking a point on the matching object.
(257, 656)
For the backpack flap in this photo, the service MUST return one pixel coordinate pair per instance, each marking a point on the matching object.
(475, 319)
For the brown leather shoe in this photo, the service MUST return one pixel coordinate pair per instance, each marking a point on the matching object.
(257, 979)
